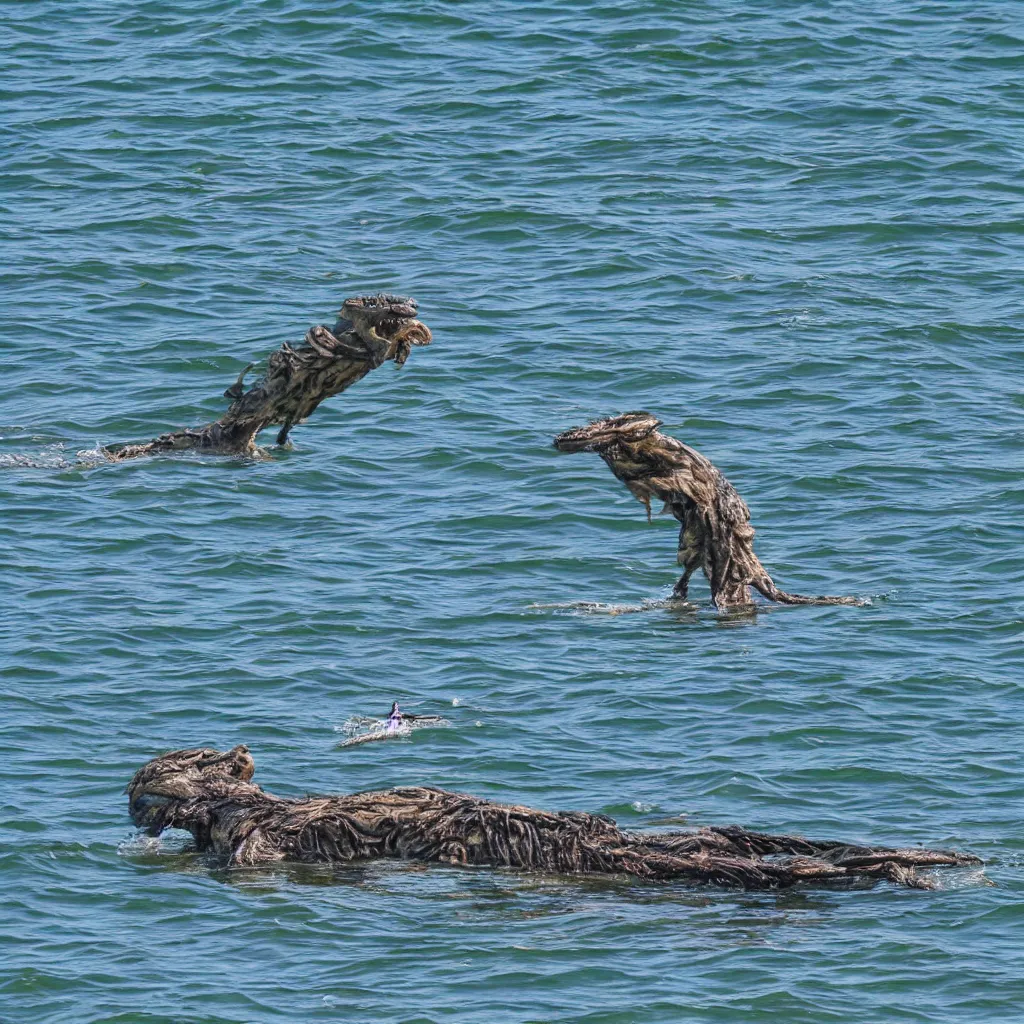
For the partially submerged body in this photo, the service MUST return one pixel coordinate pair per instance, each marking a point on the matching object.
(716, 534)
(371, 330)
(209, 793)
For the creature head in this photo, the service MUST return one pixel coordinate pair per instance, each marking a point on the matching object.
(161, 788)
(388, 318)
(400, 306)
(601, 435)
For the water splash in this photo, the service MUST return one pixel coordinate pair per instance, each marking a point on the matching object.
(363, 729)
(604, 608)
(139, 844)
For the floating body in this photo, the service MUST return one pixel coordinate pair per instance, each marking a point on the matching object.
(211, 794)
(371, 330)
(716, 534)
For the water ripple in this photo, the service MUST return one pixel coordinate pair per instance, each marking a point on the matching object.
(792, 231)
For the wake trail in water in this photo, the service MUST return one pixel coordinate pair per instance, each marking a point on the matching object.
(54, 456)
(679, 607)
(606, 608)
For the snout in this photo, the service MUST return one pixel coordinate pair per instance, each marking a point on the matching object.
(601, 435)
(576, 440)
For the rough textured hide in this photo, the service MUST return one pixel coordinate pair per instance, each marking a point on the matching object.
(371, 330)
(716, 534)
(211, 794)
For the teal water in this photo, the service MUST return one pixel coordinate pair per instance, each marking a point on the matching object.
(794, 230)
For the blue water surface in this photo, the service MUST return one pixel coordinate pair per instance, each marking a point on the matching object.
(793, 230)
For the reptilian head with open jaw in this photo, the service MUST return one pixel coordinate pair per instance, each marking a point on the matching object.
(716, 534)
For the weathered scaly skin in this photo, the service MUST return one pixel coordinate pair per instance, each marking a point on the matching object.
(372, 329)
(716, 534)
(211, 794)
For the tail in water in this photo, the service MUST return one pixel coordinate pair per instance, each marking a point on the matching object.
(766, 586)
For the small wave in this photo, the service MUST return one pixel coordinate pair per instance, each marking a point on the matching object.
(603, 608)
(95, 456)
(51, 457)
(139, 844)
(965, 878)
(54, 456)
(670, 604)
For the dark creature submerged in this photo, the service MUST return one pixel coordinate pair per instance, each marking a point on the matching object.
(370, 330)
(716, 534)
(210, 794)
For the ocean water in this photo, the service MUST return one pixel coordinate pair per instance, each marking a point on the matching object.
(793, 230)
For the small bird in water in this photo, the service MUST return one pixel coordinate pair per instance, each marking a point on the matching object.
(397, 718)
(394, 720)
(398, 723)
